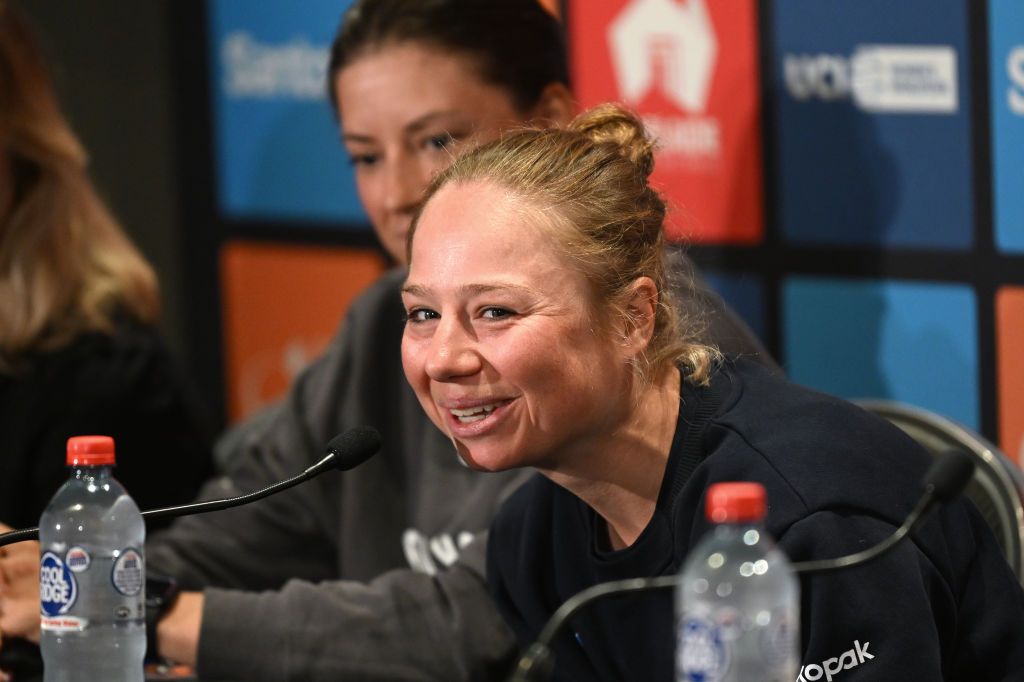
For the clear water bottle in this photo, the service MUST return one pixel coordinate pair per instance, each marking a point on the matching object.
(91, 573)
(738, 604)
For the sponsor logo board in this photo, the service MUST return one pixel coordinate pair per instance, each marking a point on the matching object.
(276, 145)
(872, 127)
(689, 67)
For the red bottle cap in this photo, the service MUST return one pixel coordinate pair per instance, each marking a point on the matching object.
(90, 451)
(735, 502)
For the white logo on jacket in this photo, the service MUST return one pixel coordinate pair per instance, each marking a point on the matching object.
(424, 554)
(850, 658)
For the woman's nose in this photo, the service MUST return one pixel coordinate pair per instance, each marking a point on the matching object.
(453, 352)
(404, 186)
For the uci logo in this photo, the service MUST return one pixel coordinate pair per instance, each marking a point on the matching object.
(57, 587)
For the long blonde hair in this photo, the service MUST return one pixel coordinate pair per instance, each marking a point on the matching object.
(66, 266)
(594, 175)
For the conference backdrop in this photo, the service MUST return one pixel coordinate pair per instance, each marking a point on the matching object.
(849, 175)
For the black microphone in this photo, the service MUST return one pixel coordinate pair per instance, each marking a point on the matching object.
(345, 451)
(944, 481)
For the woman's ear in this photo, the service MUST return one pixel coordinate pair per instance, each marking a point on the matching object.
(641, 307)
(555, 107)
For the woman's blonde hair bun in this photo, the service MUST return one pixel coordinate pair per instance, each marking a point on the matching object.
(614, 124)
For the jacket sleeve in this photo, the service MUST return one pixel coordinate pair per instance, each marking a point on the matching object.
(287, 535)
(907, 614)
(400, 626)
(254, 546)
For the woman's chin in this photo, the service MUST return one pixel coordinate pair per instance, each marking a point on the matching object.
(483, 460)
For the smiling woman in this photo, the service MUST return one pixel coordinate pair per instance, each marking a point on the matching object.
(540, 332)
(415, 84)
(500, 341)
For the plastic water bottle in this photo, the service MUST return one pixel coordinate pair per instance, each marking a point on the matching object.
(91, 573)
(738, 602)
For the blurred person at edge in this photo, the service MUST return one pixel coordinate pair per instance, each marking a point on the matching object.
(377, 574)
(79, 349)
(541, 334)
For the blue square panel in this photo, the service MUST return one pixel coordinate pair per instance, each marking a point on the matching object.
(872, 116)
(743, 292)
(1006, 58)
(278, 153)
(912, 342)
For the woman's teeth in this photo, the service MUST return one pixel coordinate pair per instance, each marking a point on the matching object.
(473, 414)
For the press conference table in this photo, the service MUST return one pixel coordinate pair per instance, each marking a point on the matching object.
(22, 661)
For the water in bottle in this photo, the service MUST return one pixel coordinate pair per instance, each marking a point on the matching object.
(738, 602)
(91, 573)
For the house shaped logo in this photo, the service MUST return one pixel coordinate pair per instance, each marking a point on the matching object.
(668, 45)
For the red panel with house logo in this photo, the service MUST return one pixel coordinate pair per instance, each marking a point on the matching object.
(689, 67)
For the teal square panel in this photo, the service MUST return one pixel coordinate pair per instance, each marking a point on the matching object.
(908, 341)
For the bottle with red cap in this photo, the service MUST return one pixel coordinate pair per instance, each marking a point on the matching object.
(738, 601)
(92, 573)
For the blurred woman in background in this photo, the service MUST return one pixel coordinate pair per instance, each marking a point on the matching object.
(79, 348)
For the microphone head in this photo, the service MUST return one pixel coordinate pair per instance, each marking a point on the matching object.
(353, 447)
(949, 474)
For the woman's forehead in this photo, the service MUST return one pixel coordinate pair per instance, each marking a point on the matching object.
(478, 216)
(418, 70)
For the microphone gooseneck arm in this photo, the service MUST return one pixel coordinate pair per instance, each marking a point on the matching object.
(216, 505)
(537, 660)
(345, 451)
(944, 481)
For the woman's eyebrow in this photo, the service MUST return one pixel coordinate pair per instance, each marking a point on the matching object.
(471, 289)
(412, 127)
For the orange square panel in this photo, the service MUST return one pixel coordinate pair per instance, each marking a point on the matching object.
(1010, 370)
(282, 303)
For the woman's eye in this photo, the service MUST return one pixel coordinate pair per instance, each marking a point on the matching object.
(443, 141)
(421, 315)
(363, 159)
(495, 313)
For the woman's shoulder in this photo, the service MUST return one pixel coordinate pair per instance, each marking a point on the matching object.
(820, 451)
(129, 368)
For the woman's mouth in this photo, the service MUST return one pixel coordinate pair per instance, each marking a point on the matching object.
(474, 414)
(476, 419)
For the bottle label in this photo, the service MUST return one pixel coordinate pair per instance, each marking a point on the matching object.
(63, 623)
(703, 655)
(128, 574)
(77, 559)
(57, 587)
